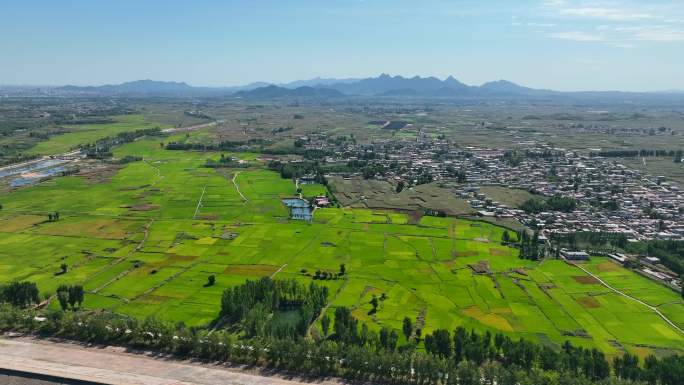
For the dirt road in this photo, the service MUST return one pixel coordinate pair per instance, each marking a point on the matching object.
(113, 365)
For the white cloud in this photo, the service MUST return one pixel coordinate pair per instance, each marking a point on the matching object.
(622, 45)
(617, 23)
(576, 36)
(612, 14)
(655, 33)
(541, 25)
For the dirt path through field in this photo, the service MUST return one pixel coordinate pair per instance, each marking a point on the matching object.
(655, 309)
(238, 187)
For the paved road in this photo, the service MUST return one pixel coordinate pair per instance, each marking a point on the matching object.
(114, 366)
(191, 128)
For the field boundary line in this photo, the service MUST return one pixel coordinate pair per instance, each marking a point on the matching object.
(653, 308)
(238, 187)
(146, 233)
(278, 271)
(327, 305)
(165, 281)
(155, 168)
(199, 203)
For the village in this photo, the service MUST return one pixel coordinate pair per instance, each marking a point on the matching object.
(600, 194)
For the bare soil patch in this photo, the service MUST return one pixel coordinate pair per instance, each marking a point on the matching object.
(586, 279)
(101, 174)
(144, 207)
(588, 302)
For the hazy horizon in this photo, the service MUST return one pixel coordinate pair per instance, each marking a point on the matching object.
(322, 78)
(565, 45)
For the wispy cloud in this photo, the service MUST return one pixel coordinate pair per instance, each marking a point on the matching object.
(576, 36)
(623, 37)
(623, 22)
(656, 33)
(612, 14)
(541, 25)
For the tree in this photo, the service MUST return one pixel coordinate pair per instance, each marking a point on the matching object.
(211, 280)
(468, 373)
(460, 337)
(407, 328)
(374, 303)
(255, 320)
(64, 267)
(75, 296)
(343, 269)
(346, 326)
(384, 337)
(325, 324)
(63, 297)
(439, 343)
(392, 340)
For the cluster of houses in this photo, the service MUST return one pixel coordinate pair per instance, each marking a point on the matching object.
(610, 197)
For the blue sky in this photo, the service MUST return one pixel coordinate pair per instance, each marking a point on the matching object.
(558, 44)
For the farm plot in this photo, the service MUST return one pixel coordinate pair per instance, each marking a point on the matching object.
(145, 241)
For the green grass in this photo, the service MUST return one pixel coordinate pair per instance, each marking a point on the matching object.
(143, 244)
(82, 134)
(507, 196)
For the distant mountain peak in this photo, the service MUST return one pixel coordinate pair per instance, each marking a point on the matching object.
(321, 88)
(275, 92)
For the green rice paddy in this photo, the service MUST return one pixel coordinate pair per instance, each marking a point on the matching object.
(81, 134)
(144, 242)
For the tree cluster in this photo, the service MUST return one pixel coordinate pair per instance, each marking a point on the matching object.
(555, 203)
(70, 296)
(19, 294)
(261, 306)
(529, 247)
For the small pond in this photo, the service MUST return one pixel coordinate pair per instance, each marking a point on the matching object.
(299, 209)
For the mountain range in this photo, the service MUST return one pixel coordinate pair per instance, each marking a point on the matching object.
(327, 88)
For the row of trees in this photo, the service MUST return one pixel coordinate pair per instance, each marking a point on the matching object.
(19, 294)
(101, 148)
(529, 246)
(595, 239)
(480, 348)
(226, 145)
(555, 203)
(352, 351)
(353, 362)
(670, 253)
(635, 153)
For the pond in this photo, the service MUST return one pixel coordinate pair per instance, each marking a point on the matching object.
(299, 209)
